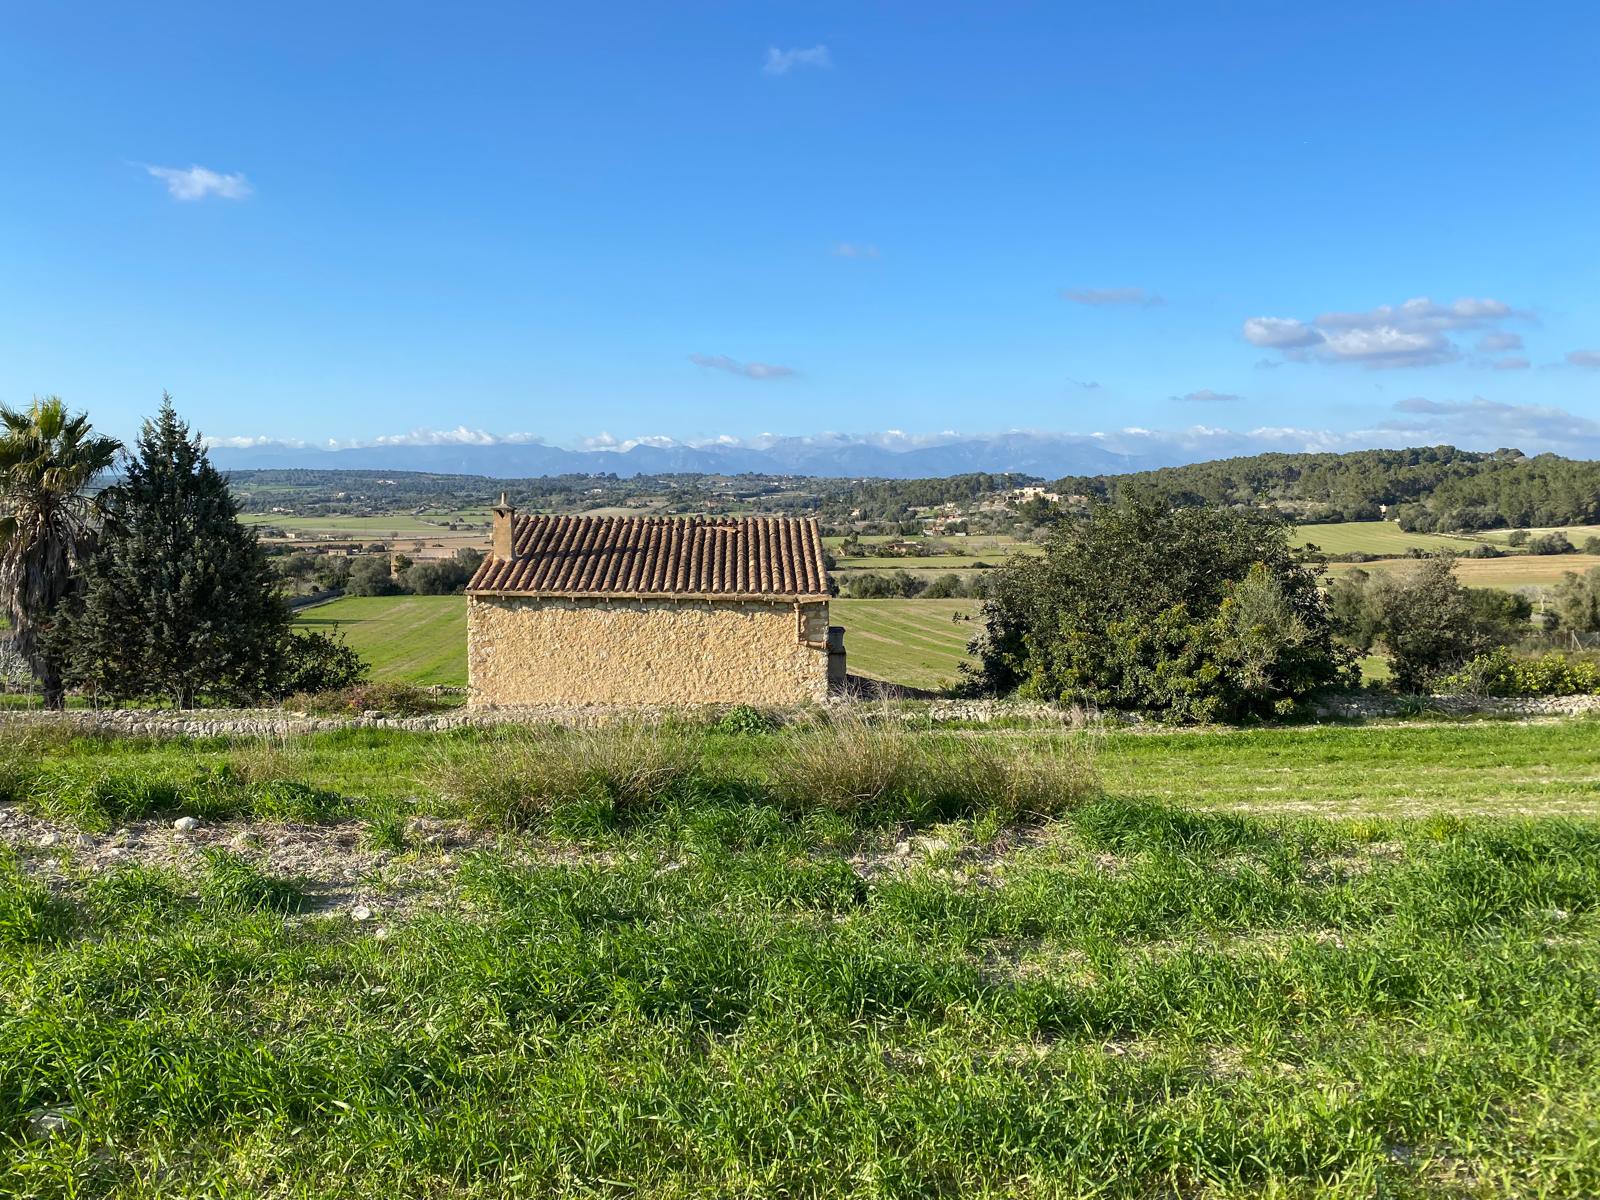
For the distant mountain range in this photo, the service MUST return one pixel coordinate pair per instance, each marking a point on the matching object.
(1045, 455)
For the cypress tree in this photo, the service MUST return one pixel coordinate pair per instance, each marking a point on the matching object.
(179, 601)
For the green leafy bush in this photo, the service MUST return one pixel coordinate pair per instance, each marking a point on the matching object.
(744, 719)
(392, 699)
(313, 661)
(1194, 613)
(1500, 673)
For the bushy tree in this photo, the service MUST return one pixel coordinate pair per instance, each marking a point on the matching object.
(896, 585)
(48, 457)
(1355, 614)
(1575, 601)
(945, 587)
(1501, 616)
(1196, 613)
(313, 661)
(1424, 620)
(370, 576)
(179, 601)
(441, 576)
(1428, 623)
(1551, 543)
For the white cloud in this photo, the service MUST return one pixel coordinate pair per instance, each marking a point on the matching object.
(855, 250)
(1514, 363)
(750, 370)
(1100, 297)
(1584, 358)
(781, 62)
(1413, 334)
(196, 183)
(1478, 424)
(1207, 396)
(459, 436)
(1279, 333)
(1483, 423)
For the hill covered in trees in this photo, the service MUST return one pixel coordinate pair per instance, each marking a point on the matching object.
(1424, 488)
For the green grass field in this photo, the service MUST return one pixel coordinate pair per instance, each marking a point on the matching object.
(1576, 534)
(917, 643)
(406, 639)
(1511, 573)
(701, 964)
(1374, 537)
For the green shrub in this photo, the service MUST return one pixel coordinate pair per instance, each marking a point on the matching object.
(1500, 673)
(392, 699)
(1193, 613)
(313, 661)
(744, 719)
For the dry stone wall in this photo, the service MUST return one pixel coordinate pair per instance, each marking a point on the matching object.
(543, 651)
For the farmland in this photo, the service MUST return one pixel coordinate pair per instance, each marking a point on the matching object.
(420, 640)
(365, 975)
(1377, 538)
(423, 639)
(1512, 572)
(918, 643)
(384, 525)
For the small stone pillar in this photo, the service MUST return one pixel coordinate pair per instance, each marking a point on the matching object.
(836, 670)
(504, 517)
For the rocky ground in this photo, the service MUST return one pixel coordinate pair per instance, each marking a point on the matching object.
(336, 864)
(341, 872)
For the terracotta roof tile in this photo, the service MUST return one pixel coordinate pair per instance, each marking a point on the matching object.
(659, 556)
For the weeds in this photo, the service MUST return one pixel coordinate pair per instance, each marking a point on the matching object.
(881, 769)
(231, 884)
(518, 776)
(28, 913)
(391, 699)
(1155, 1002)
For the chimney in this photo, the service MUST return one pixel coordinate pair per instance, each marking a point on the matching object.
(504, 515)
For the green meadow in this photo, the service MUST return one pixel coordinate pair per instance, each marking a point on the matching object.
(852, 961)
(420, 640)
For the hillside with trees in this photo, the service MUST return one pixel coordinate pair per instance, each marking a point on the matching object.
(1423, 488)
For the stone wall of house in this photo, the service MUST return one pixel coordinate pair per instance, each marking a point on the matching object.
(526, 651)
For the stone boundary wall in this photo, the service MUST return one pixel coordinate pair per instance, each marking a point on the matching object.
(1360, 707)
(274, 722)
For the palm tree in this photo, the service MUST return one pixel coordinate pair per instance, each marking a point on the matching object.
(48, 457)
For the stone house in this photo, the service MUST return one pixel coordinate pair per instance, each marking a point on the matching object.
(651, 610)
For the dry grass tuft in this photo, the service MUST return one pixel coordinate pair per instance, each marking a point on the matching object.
(853, 763)
(519, 774)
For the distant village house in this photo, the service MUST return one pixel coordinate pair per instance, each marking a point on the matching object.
(651, 610)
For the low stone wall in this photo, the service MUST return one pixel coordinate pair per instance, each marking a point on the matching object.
(274, 722)
(1365, 707)
(277, 722)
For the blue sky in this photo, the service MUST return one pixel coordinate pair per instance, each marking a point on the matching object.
(314, 221)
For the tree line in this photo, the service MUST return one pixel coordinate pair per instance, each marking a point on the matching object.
(148, 587)
(1207, 612)
(1424, 488)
